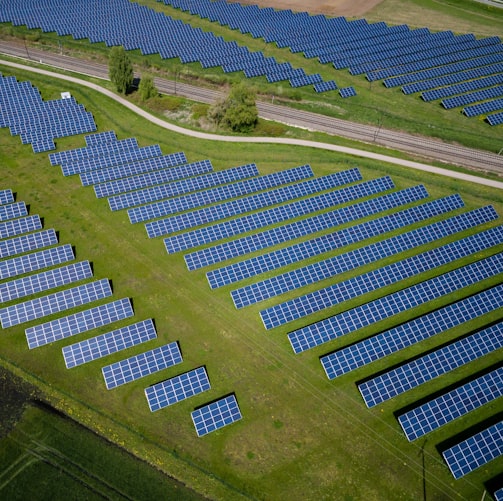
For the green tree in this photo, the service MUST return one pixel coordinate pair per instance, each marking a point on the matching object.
(237, 111)
(120, 69)
(147, 88)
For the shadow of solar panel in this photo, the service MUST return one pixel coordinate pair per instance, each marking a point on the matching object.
(374, 348)
(216, 415)
(452, 405)
(141, 365)
(331, 267)
(392, 304)
(421, 370)
(6, 197)
(35, 261)
(54, 303)
(178, 388)
(106, 344)
(304, 227)
(396, 272)
(475, 451)
(18, 226)
(13, 210)
(148, 179)
(218, 194)
(29, 242)
(82, 321)
(139, 167)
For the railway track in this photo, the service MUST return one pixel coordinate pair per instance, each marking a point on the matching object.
(419, 146)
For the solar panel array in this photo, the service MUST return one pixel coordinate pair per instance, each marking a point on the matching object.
(216, 415)
(36, 121)
(495, 119)
(392, 304)
(498, 495)
(82, 321)
(15, 227)
(13, 210)
(29, 242)
(423, 369)
(6, 197)
(483, 108)
(475, 451)
(176, 389)
(391, 341)
(347, 92)
(452, 405)
(106, 344)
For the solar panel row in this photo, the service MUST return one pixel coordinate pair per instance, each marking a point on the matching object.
(480, 109)
(392, 304)
(100, 137)
(6, 197)
(434, 364)
(275, 215)
(29, 242)
(106, 344)
(216, 415)
(473, 97)
(495, 119)
(18, 226)
(391, 341)
(82, 321)
(452, 405)
(13, 210)
(398, 271)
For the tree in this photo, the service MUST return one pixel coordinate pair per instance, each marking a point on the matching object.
(120, 69)
(147, 88)
(237, 111)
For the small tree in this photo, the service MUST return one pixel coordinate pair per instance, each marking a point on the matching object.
(147, 88)
(237, 111)
(120, 69)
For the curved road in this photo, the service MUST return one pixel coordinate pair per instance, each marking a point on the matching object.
(291, 141)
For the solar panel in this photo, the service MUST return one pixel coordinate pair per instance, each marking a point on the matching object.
(216, 415)
(177, 388)
(475, 451)
(26, 243)
(495, 119)
(483, 108)
(356, 286)
(472, 97)
(325, 86)
(388, 342)
(54, 303)
(11, 211)
(275, 215)
(134, 168)
(141, 365)
(6, 197)
(100, 137)
(392, 304)
(83, 321)
(498, 495)
(434, 364)
(218, 194)
(40, 282)
(106, 344)
(331, 267)
(35, 261)
(18, 226)
(302, 228)
(452, 405)
(347, 92)
(148, 179)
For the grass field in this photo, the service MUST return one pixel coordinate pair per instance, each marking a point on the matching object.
(301, 437)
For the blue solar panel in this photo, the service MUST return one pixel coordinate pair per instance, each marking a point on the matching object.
(26, 243)
(82, 321)
(496, 119)
(388, 342)
(423, 369)
(134, 168)
(100, 137)
(146, 179)
(462, 87)
(40, 282)
(35, 261)
(473, 97)
(54, 303)
(274, 215)
(6, 197)
(19, 226)
(475, 451)
(218, 194)
(178, 388)
(325, 86)
(392, 304)
(216, 415)
(302, 228)
(141, 365)
(354, 287)
(106, 344)
(498, 495)
(11, 211)
(452, 405)
(315, 272)
(482, 108)
(347, 92)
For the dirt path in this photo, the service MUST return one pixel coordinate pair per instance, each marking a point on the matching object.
(346, 8)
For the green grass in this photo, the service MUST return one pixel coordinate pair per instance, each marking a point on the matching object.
(301, 436)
